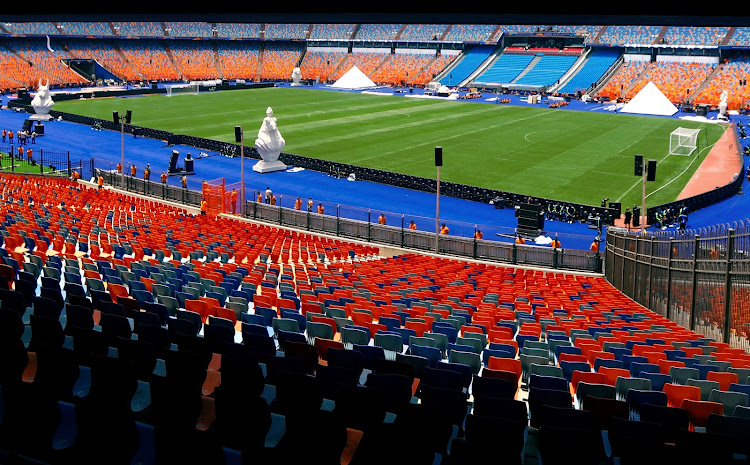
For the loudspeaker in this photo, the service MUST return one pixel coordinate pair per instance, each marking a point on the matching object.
(116, 117)
(618, 208)
(438, 156)
(238, 134)
(636, 216)
(173, 161)
(27, 125)
(529, 219)
(189, 167)
(128, 115)
(651, 173)
(701, 110)
(639, 165)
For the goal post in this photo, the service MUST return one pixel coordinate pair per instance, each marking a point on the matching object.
(182, 89)
(683, 141)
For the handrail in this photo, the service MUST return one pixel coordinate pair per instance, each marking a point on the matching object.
(371, 231)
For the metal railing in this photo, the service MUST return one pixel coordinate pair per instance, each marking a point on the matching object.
(701, 283)
(366, 228)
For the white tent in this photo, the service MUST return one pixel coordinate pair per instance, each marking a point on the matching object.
(650, 101)
(353, 79)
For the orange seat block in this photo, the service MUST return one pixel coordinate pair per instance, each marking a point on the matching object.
(677, 393)
(506, 364)
(700, 410)
(725, 379)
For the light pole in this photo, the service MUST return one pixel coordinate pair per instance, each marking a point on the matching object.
(239, 136)
(122, 120)
(438, 164)
(648, 173)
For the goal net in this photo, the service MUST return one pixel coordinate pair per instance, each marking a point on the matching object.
(182, 89)
(683, 141)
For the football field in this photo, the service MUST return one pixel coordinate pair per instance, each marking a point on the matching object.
(576, 156)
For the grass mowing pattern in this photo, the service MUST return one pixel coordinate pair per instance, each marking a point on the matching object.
(560, 154)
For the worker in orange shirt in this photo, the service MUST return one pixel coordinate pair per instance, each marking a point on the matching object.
(520, 240)
(100, 181)
(119, 167)
(321, 210)
(272, 199)
(163, 177)
(10, 136)
(478, 234)
(184, 181)
(381, 219)
(204, 206)
(133, 170)
(20, 153)
(29, 154)
(555, 244)
(595, 246)
(74, 175)
(412, 225)
(444, 229)
(147, 172)
(298, 204)
(260, 198)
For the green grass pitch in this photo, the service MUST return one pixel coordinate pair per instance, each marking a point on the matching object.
(576, 156)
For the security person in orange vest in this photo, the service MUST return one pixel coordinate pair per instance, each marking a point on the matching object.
(147, 172)
(184, 181)
(20, 153)
(412, 225)
(163, 177)
(297, 204)
(133, 170)
(381, 219)
(29, 154)
(100, 181)
(595, 246)
(204, 206)
(444, 229)
(233, 200)
(119, 167)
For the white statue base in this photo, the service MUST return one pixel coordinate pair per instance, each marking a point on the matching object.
(296, 84)
(269, 166)
(36, 117)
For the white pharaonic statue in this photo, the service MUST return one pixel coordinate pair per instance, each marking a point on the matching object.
(723, 105)
(42, 102)
(296, 76)
(269, 145)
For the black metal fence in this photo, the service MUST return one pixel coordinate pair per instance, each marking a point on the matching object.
(702, 283)
(369, 230)
(31, 158)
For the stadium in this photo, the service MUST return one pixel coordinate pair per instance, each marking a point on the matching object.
(355, 239)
